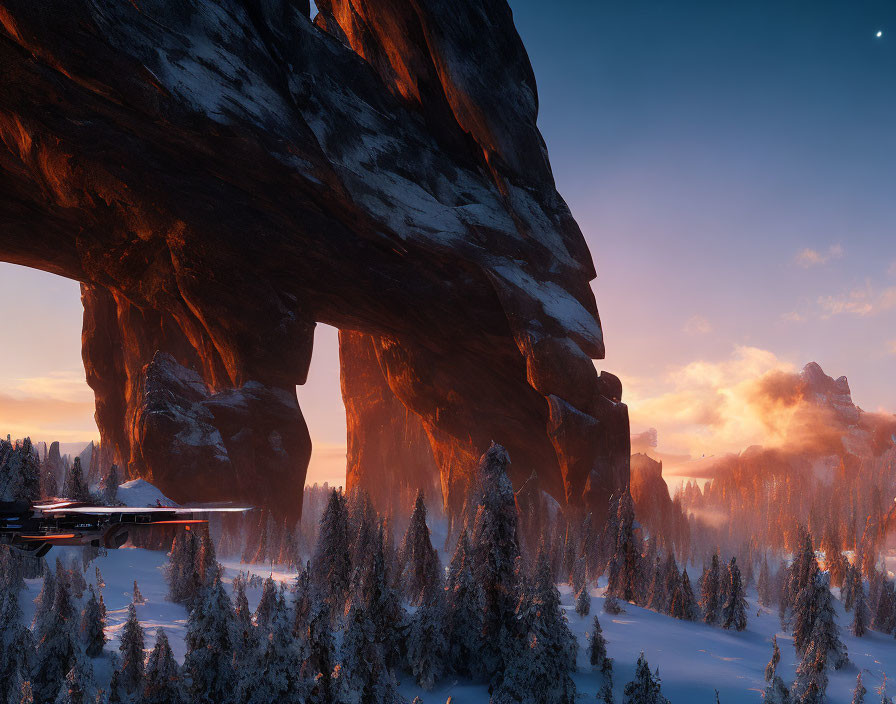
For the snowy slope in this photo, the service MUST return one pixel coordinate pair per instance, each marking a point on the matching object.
(140, 493)
(693, 659)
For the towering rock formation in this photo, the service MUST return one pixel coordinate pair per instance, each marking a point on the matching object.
(221, 174)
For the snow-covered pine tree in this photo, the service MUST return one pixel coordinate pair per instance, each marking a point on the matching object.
(495, 550)
(671, 579)
(860, 618)
(245, 636)
(597, 647)
(92, 623)
(78, 684)
(330, 565)
(543, 667)
(57, 647)
(206, 560)
(131, 649)
(321, 656)
(775, 691)
(162, 681)
(16, 644)
(76, 578)
(710, 592)
(75, 487)
(302, 602)
(100, 582)
(464, 612)
(359, 654)
(382, 603)
(583, 602)
(427, 645)
(885, 616)
(625, 564)
(810, 686)
(419, 562)
(44, 602)
(858, 694)
(684, 604)
(611, 604)
(655, 597)
(275, 674)
(109, 486)
(210, 646)
(734, 610)
(645, 688)
(605, 695)
(814, 614)
(266, 606)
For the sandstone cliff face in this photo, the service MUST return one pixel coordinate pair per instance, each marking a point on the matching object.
(220, 175)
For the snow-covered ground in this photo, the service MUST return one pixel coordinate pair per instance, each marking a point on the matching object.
(693, 659)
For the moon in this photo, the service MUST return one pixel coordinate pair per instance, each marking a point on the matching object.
(879, 34)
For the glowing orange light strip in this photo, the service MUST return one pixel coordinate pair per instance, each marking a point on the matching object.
(58, 536)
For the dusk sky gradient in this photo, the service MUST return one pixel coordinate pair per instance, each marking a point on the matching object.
(733, 168)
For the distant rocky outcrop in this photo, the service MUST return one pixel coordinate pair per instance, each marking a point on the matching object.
(221, 174)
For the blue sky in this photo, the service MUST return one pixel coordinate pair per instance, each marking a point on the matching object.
(732, 166)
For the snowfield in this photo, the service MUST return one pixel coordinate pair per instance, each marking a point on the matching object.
(694, 660)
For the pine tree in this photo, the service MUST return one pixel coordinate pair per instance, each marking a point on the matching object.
(885, 617)
(625, 564)
(77, 685)
(75, 487)
(655, 597)
(321, 656)
(495, 551)
(44, 602)
(16, 644)
(161, 682)
(92, 623)
(427, 646)
(131, 649)
(605, 695)
(57, 647)
(275, 675)
(266, 605)
(734, 610)
(418, 560)
(858, 694)
(543, 668)
(110, 486)
(583, 602)
(597, 647)
(811, 682)
(302, 603)
(100, 583)
(860, 617)
(210, 646)
(330, 564)
(710, 592)
(138, 597)
(382, 603)
(464, 612)
(645, 688)
(611, 604)
(245, 636)
(775, 692)
(684, 604)
(359, 656)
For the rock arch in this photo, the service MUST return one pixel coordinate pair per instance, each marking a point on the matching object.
(222, 174)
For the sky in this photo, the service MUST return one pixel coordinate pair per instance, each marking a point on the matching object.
(732, 166)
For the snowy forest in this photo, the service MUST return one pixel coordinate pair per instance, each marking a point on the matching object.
(509, 602)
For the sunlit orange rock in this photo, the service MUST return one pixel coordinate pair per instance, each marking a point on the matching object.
(221, 174)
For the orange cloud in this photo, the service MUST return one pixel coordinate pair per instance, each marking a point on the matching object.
(808, 258)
